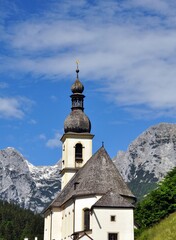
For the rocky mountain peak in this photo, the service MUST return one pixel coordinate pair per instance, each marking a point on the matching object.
(149, 157)
(147, 160)
(22, 183)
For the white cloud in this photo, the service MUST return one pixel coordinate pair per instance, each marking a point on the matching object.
(159, 6)
(55, 141)
(32, 121)
(130, 47)
(54, 98)
(42, 136)
(14, 107)
(39, 36)
(3, 85)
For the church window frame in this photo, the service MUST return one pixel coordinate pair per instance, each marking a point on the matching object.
(86, 219)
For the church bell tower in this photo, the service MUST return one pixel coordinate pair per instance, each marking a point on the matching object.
(77, 139)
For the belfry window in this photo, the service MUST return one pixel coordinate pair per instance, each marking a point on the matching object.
(78, 151)
(86, 219)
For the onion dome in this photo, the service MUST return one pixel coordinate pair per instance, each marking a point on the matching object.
(77, 87)
(77, 121)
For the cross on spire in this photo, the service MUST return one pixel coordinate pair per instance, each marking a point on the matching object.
(77, 69)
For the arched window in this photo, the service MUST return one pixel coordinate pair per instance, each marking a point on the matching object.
(86, 219)
(78, 151)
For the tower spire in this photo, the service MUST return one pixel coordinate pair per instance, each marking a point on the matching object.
(77, 139)
(77, 121)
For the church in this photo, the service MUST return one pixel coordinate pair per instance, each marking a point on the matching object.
(95, 202)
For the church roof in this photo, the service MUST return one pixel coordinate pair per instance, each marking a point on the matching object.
(97, 177)
(113, 199)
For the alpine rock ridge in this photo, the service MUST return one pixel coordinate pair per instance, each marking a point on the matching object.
(143, 165)
(22, 183)
(148, 158)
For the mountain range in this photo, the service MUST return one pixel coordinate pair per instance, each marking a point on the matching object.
(22, 183)
(146, 161)
(148, 158)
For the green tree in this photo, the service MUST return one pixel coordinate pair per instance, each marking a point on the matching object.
(17, 223)
(159, 203)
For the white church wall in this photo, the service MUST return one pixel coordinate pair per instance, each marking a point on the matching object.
(123, 224)
(52, 225)
(67, 221)
(66, 178)
(56, 224)
(47, 227)
(80, 205)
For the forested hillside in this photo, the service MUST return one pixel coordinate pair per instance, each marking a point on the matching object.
(158, 204)
(17, 223)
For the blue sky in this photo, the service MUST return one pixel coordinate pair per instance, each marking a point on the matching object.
(127, 53)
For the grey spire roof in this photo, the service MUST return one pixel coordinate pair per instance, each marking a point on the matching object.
(77, 122)
(96, 177)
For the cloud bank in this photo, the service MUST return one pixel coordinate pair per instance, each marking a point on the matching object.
(128, 46)
(14, 107)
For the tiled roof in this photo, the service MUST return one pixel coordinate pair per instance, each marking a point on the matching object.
(97, 177)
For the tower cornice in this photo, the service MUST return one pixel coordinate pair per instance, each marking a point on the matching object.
(75, 135)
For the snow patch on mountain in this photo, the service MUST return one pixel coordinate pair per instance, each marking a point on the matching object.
(146, 162)
(22, 183)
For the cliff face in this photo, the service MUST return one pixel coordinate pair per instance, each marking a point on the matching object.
(148, 158)
(22, 183)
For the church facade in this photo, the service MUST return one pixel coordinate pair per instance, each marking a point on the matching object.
(94, 202)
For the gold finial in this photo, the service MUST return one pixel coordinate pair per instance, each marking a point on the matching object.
(77, 70)
(77, 63)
